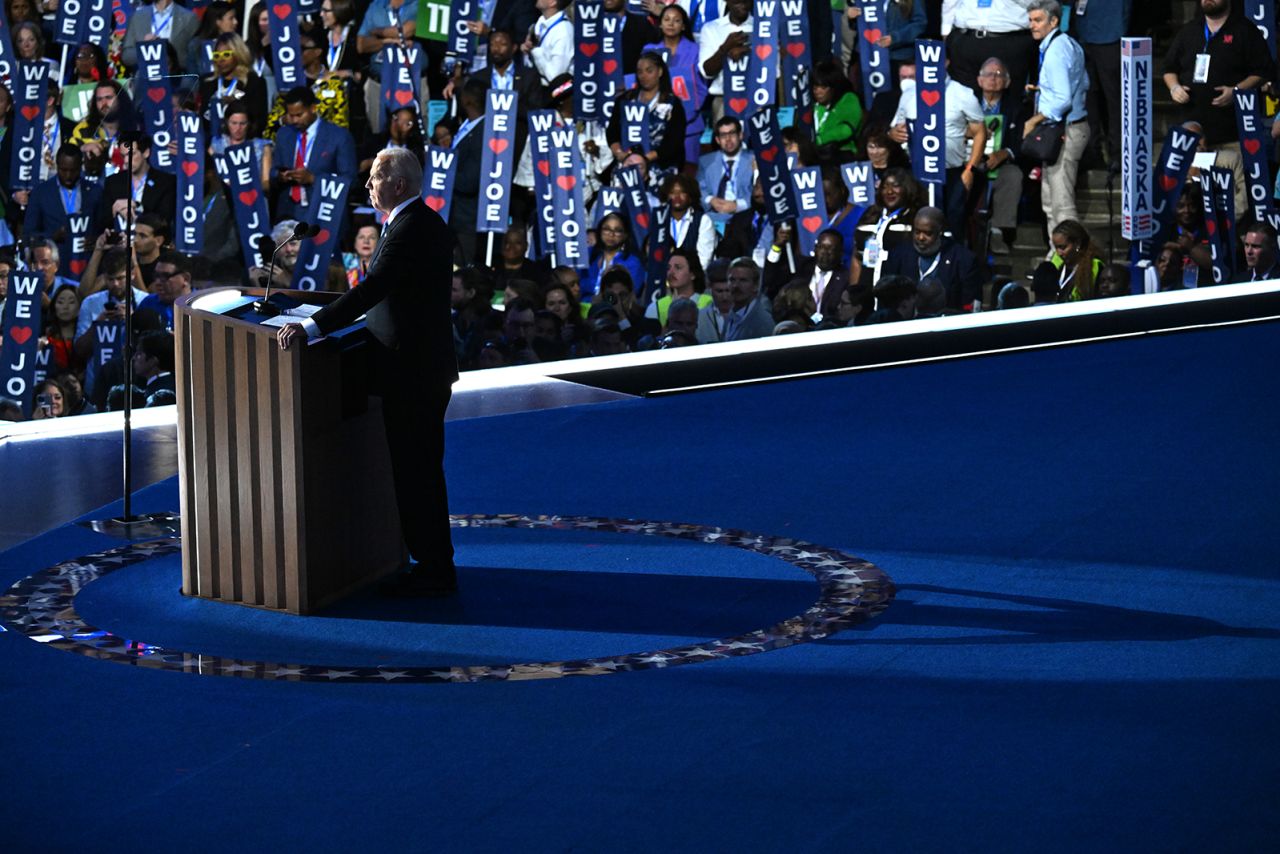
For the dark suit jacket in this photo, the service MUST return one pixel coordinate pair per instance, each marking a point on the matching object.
(466, 183)
(960, 273)
(160, 196)
(777, 275)
(636, 33)
(45, 214)
(1014, 113)
(740, 235)
(406, 297)
(527, 85)
(333, 153)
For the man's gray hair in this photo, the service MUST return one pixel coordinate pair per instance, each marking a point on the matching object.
(681, 304)
(401, 163)
(43, 243)
(995, 60)
(746, 262)
(1051, 7)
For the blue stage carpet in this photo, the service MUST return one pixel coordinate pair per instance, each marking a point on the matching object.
(1081, 654)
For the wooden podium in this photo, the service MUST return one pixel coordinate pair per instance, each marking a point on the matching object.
(286, 494)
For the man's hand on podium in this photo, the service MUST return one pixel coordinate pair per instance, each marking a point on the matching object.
(289, 333)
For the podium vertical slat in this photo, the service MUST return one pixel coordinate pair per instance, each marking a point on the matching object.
(246, 401)
(270, 501)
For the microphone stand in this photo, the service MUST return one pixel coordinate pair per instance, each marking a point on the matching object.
(264, 306)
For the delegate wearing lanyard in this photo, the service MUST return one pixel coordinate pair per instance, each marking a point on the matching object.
(463, 131)
(162, 22)
(680, 228)
(335, 50)
(924, 274)
(70, 199)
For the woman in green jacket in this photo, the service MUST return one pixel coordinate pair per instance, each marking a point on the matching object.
(837, 112)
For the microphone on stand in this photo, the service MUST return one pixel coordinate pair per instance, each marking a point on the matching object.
(301, 231)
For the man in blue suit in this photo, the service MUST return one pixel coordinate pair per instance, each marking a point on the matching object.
(52, 200)
(929, 256)
(725, 177)
(307, 146)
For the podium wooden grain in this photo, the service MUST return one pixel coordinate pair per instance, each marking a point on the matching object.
(286, 494)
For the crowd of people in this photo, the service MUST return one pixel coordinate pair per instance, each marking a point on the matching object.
(717, 270)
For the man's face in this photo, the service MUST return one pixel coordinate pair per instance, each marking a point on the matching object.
(1042, 24)
(42, 258)
(384, 192)
(1258, 253)
(622, 297)
(678, 198)
(927, 236)
(401, 125)
(683, 320)
(827, 251)
(519, 325)
(742, 281)
(993, 79)
(300, 116)
(103, 98)
(4, 280)
(739, 10)
(614, 5)
(140, 156)
(514, 245)
(1215, 8)
(169, 284)
(500, 48)
(68, 170)
(115, 284)
(143, 365)
(729, 138)
(722, 296)
(144, 239)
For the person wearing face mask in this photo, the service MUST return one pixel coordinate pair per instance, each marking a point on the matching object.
(929, 255)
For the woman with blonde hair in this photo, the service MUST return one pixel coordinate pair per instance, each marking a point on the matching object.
(233, 79)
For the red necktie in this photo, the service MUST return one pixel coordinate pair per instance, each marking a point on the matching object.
(299, 162)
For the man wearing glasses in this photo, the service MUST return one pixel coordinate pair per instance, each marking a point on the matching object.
(725, 177)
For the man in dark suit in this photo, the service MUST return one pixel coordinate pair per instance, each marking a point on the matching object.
(153, 191)
(502, 72)
(826, 276)
(307, 146)
(51, 200)
(467, 143)
(406, 299)
(928, 256)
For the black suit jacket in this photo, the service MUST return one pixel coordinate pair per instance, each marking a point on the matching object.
(740, 236)
(961, 274)
(406, 299)
(159, 196)
(527, 85)
(466, 182)
(777, 274)
(636, 33)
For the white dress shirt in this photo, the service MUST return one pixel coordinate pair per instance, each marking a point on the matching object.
(994, 16)
(554, 54)
(709, 41)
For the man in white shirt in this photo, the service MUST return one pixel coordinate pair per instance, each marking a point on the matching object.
(980, 29)
(727, 37)
(549, 45)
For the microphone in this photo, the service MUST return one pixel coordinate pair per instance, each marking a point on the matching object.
(301, 231)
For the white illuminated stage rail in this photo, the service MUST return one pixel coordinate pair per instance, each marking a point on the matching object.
(75, 463)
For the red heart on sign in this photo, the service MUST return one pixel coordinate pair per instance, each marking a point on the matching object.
(872, 36)
(930, 97)
(796, 49)
(660, 255)
(807, 118)
(811, 223)
(610, 66)
(544, 166)
(78, 265)
(769, 153)
(20, 334)
(404, 96)
(566, 182)
(190, 168)
(282, 10)
(1252, 146)
(248, 197)
(1168, 182)
(763, 50)
(156, 93)
(322, 237)
(31, 113)
(738, 105)
(436, 203)
(642, 220)
(497, 146)
(589, 49)
(1210, 226)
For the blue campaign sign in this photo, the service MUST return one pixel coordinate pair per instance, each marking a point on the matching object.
(81, 246)
(286, 56)
(155, 102)
(496, 158)
(401, 76)
(610, 200)
(1176, 155)
(811, 205)
(108, 338)
(1263, 15)
(635, 126)
(1254, 140)
(462, 42)
(437, 179)
(328, 202)
(597, 73)
(793, 40)
(21, 325)
(636, 201)
(873, 59)
(567, 204)
(860, 179)
(203, 49)
(29, 88)
(762, 61)
(239, 168)
(541, 123)
(737, 88)
(775, 178)
(928, 142)
(188, 232)
(1212, 222)
(8, 59)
